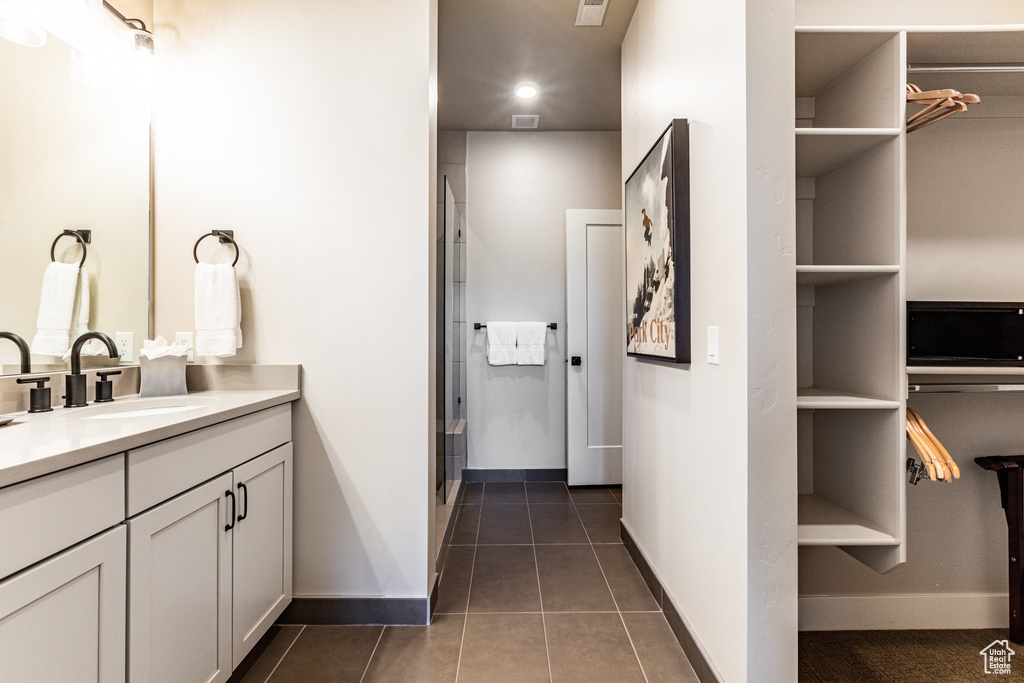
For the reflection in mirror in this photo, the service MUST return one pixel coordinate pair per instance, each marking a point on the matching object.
(74, 156)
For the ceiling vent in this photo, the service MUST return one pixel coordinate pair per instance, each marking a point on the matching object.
(523, 121)
(591, 12)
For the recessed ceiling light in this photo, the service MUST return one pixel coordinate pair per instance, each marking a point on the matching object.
(526, 89)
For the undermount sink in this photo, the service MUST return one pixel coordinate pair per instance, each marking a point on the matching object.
(140, 407)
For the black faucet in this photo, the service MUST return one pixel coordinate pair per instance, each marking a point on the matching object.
(26, 355)
(74, 384)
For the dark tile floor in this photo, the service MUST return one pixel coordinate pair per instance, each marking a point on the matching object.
(536, 587)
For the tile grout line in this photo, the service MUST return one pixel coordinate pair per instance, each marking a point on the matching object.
(370, 660)
(290, 645)
(614, 600)
(540, 594)
(469, 593)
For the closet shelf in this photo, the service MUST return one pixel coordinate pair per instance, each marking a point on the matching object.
(831, 275)
(818, 398)
(979, 371)
(820, 522)
(819, 150)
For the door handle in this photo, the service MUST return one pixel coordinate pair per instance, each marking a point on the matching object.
(577, 360)
(230, 494)
(244, 491)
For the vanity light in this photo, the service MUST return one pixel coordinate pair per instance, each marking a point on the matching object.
(17, 26)
(526, 89)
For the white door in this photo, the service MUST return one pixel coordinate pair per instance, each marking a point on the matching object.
(64, 618)
(595, 345)
(179, 574)
(262, 550)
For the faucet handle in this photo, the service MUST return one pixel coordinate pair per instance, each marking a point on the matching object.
(105, 387)
(39, 396)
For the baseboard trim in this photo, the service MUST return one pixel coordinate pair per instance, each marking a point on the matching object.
(691, 647)
(901, 612)
(343, 611)
(495, 476)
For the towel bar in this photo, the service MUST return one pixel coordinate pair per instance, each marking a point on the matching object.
(477, 326)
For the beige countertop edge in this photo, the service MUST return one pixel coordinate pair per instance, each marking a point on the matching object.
(47, 464)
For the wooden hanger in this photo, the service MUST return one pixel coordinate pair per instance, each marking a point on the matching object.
(948, 111)
(924, 450)
(938, 105)
(946, 457)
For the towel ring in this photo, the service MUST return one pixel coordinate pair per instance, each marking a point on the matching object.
(225, 237)
(70, 233)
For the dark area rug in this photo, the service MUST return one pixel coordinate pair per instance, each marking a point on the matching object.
(903, 656)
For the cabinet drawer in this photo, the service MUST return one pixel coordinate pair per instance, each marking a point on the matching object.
(164, 469)
(42, 516)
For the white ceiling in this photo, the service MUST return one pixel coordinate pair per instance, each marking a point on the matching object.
(487, 46)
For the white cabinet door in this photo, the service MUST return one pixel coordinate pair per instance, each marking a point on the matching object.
(179, 579)
(262, 546)
(64, 618)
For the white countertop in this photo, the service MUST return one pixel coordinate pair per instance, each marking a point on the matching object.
(41, 443)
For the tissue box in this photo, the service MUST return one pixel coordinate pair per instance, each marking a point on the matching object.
(164, 376)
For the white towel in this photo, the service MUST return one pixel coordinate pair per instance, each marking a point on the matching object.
(530, 340)
(56, 304)
(218, 310)
(501, 343)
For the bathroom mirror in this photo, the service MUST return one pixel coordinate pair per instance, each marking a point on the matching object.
(73, 156)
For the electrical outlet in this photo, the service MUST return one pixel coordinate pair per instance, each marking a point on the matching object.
(125, 346)
(185, 339)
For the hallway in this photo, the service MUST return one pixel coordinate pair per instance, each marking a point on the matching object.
(536, 587)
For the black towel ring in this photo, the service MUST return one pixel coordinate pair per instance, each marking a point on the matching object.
(225, 236)
(78, 235)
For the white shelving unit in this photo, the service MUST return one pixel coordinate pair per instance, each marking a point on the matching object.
(850, 292)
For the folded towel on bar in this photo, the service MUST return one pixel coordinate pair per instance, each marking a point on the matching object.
(80, 318)
(56, 305)
(530, 340)
(501, 343)
(218, 310)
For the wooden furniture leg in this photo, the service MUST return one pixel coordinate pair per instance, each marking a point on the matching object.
(1011, 493)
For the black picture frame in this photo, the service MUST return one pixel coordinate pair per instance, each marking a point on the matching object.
(657, 233)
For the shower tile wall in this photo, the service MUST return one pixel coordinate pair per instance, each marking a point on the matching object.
(451, 159)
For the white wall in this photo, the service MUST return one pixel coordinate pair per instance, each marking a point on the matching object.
(684, 434)
(518, 188)
(306, 127)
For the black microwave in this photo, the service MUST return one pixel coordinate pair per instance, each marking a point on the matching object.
(966, 333)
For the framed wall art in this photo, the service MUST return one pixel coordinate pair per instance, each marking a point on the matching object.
(657, 226)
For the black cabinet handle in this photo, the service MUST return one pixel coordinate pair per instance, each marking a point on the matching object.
(245, 501)
(229, 527)
(577, 360)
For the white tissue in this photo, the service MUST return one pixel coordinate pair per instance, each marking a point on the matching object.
(160, 347)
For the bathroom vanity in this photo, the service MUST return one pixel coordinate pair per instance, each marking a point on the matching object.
(144, 539)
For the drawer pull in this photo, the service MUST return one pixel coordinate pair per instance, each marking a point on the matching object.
(229, 527)
(245, 501)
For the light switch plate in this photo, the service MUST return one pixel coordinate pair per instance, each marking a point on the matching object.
(713, 345)
(125, 346)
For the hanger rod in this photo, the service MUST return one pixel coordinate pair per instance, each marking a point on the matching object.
(1004, 67)
(962, 388)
